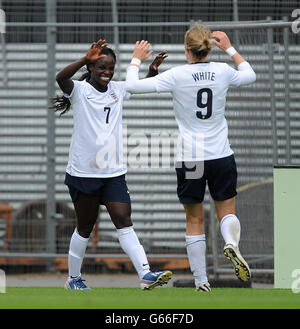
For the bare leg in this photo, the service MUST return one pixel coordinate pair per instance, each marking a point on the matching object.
(194, 219)
(225, 207)
(120, 213)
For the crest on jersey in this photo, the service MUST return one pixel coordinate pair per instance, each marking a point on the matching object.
(114, 96)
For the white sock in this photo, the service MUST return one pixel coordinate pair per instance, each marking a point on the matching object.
(196, 251)
(230, 229)
(135, 251)
(77, 250)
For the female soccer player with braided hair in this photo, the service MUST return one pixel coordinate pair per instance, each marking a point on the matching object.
(199, 91)
(95, 173)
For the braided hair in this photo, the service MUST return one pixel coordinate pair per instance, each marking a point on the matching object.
(62, 103)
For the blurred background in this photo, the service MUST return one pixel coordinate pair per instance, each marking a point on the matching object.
(39, 38)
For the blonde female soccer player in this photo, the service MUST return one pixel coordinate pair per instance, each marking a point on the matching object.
(199, 91)
(95, 173)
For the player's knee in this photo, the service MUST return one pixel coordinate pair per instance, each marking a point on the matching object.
(122, 221)
(84, 231)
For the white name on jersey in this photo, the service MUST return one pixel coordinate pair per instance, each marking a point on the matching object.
(199, 76)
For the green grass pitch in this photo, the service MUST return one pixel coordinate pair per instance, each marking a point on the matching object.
(159, 298)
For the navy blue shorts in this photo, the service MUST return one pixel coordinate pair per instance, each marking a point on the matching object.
(112, 189)
(219, 174)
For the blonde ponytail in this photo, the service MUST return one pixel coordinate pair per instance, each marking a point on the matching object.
(198, 40)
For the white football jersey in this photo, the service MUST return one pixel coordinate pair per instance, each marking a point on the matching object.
(96, 148)
(199, 98)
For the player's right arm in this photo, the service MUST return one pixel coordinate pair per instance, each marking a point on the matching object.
(63, 78)
(157, 83)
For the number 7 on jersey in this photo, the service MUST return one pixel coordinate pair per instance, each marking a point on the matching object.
(107, 114)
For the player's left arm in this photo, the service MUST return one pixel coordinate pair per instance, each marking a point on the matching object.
(223, 42)
(153, 67)
(246, 72)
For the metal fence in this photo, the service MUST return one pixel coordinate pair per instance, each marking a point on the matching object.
(37, 217)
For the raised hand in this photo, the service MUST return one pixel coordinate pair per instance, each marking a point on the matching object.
(159, 59)
(221, 40)
(141, 50)
(95, 51)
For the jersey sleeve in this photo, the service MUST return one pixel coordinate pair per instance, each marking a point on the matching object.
(165, 81)
(160, 83)
(125, 93)
(76, 91)
(242, 76)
